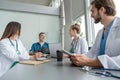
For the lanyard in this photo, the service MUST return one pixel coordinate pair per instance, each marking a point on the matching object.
(74, 46)
(75, 43)
(17, 51)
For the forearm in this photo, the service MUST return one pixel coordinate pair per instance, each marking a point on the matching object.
(94, 63)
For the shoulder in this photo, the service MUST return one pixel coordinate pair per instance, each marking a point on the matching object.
(83, 42)
(116, 22)
(117, 19)
(36, 43)
(4, 41)
(46, 43)
(82, 39)
(100, 32)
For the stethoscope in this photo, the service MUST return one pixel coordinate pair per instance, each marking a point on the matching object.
(17, 51)
(74, 44)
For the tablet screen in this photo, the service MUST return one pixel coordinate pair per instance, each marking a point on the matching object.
(66, 52)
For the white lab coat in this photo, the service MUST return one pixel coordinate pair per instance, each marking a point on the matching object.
(111, 59)
(81, 46)
(8, 54)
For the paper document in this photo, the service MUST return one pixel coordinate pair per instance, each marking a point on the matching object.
(34, 62)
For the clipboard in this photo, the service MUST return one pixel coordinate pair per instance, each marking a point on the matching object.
(30, 62)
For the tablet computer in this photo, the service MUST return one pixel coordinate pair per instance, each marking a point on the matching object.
(66, 52)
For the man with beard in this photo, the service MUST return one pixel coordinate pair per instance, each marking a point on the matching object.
(106, 49)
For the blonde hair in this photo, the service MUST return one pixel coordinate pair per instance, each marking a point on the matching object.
(76, 27)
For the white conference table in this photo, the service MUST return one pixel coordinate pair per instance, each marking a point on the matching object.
(52, 70)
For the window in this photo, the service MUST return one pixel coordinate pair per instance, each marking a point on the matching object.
(117, 4)
(81, 22)
(55, 3)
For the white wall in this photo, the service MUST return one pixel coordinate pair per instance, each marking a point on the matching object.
(38, 2)
(73, 10)
(32, 25)
(77, 8)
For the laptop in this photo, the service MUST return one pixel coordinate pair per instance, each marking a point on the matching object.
(53, 48)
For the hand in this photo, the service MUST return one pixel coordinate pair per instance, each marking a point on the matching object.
(38, 55)
(79, 60)
(65, 56)
(82, 60)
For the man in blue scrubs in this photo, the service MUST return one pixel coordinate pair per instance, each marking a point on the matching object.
(41, 47)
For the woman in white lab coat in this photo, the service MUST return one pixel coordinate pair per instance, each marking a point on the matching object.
(78, 45)
(106, 49)
(11, 48)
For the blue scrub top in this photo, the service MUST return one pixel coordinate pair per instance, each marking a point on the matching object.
(104, 39)
(37, 47)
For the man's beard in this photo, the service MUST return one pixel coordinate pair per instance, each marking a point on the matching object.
(98, 19)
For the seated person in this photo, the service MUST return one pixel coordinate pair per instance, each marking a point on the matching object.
(106, 50)
(40, 47)
(11, 48)
(78, 44)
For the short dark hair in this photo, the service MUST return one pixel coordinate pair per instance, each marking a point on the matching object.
(41, 33)
(76, 27)
(107, 4)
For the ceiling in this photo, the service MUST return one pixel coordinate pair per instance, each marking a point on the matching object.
(38, 2)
